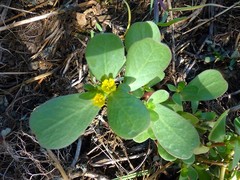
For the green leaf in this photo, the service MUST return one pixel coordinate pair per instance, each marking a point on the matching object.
(60, 121)
(218, 131)
(194, 106)
(208, 116)
(203, 172)
(175, 134)
(190, 117)
(208, 85)
(156, 80)
(138, 93)
(236, 156)
(127, 115)
(191, 174)
(159, 96)
(201, 150)
(190, 8)
(190, 160)
(237, 125)
(164, 154)
(172, 105)
(175, 20)
(89, 87)
(148, 133)
(146, 60)
(143, 136)
(141, 30)
(151, 134)
(181, 85)
(177, 98)
(171, 87)
(105, 55)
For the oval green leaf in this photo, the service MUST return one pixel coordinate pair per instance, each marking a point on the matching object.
(164, 154)
(141, 30)
(189, 161)
(60, 121)
(218, 131)
(190, 174)
(127, 115)
(142, 137)
(146, 60)
(190, 117)
(174, 133)
(159, 96)
(236, 156)
(105, 55)
(208, 85)
(237, 125)
(201, 149)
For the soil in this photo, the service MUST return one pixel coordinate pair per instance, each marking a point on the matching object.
(43, 59)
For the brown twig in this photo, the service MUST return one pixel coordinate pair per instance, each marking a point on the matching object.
(159, 171)
(44, 16)
(212, 18)
(57, 164)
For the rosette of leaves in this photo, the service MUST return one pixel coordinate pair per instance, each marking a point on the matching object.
(60, 121)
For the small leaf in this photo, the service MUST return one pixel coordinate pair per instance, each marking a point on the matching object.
(237, 125)
(89, 87)
(236, 156)
(164, 154)
(141, 30)
(181, 85)
(124, 87)
(156, 80)
(128, 116)
(159, 96)
(194, 106)
(172, 105)
(145, 135)
(171, 87)
(142, 137)
(105, 55)
(174, 133)
(146, 60)
(203, 173)
(177, 98)
(190, 117)
(138, 93)
(151, 134)
(191, 174)
(175, 20)
(208, 116)
(201, 150)
(60, 121)
(218, 131)
(190, 160)
(208, 85)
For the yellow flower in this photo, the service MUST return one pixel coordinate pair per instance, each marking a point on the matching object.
(108, 85)
(99, 100)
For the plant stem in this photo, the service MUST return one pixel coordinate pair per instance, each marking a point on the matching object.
(129, 16)
(57, 164)
(222, 173)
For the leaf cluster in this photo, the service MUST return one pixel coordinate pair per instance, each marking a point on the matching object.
(60, 121)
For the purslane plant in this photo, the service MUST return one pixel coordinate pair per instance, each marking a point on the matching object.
(60, 121)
